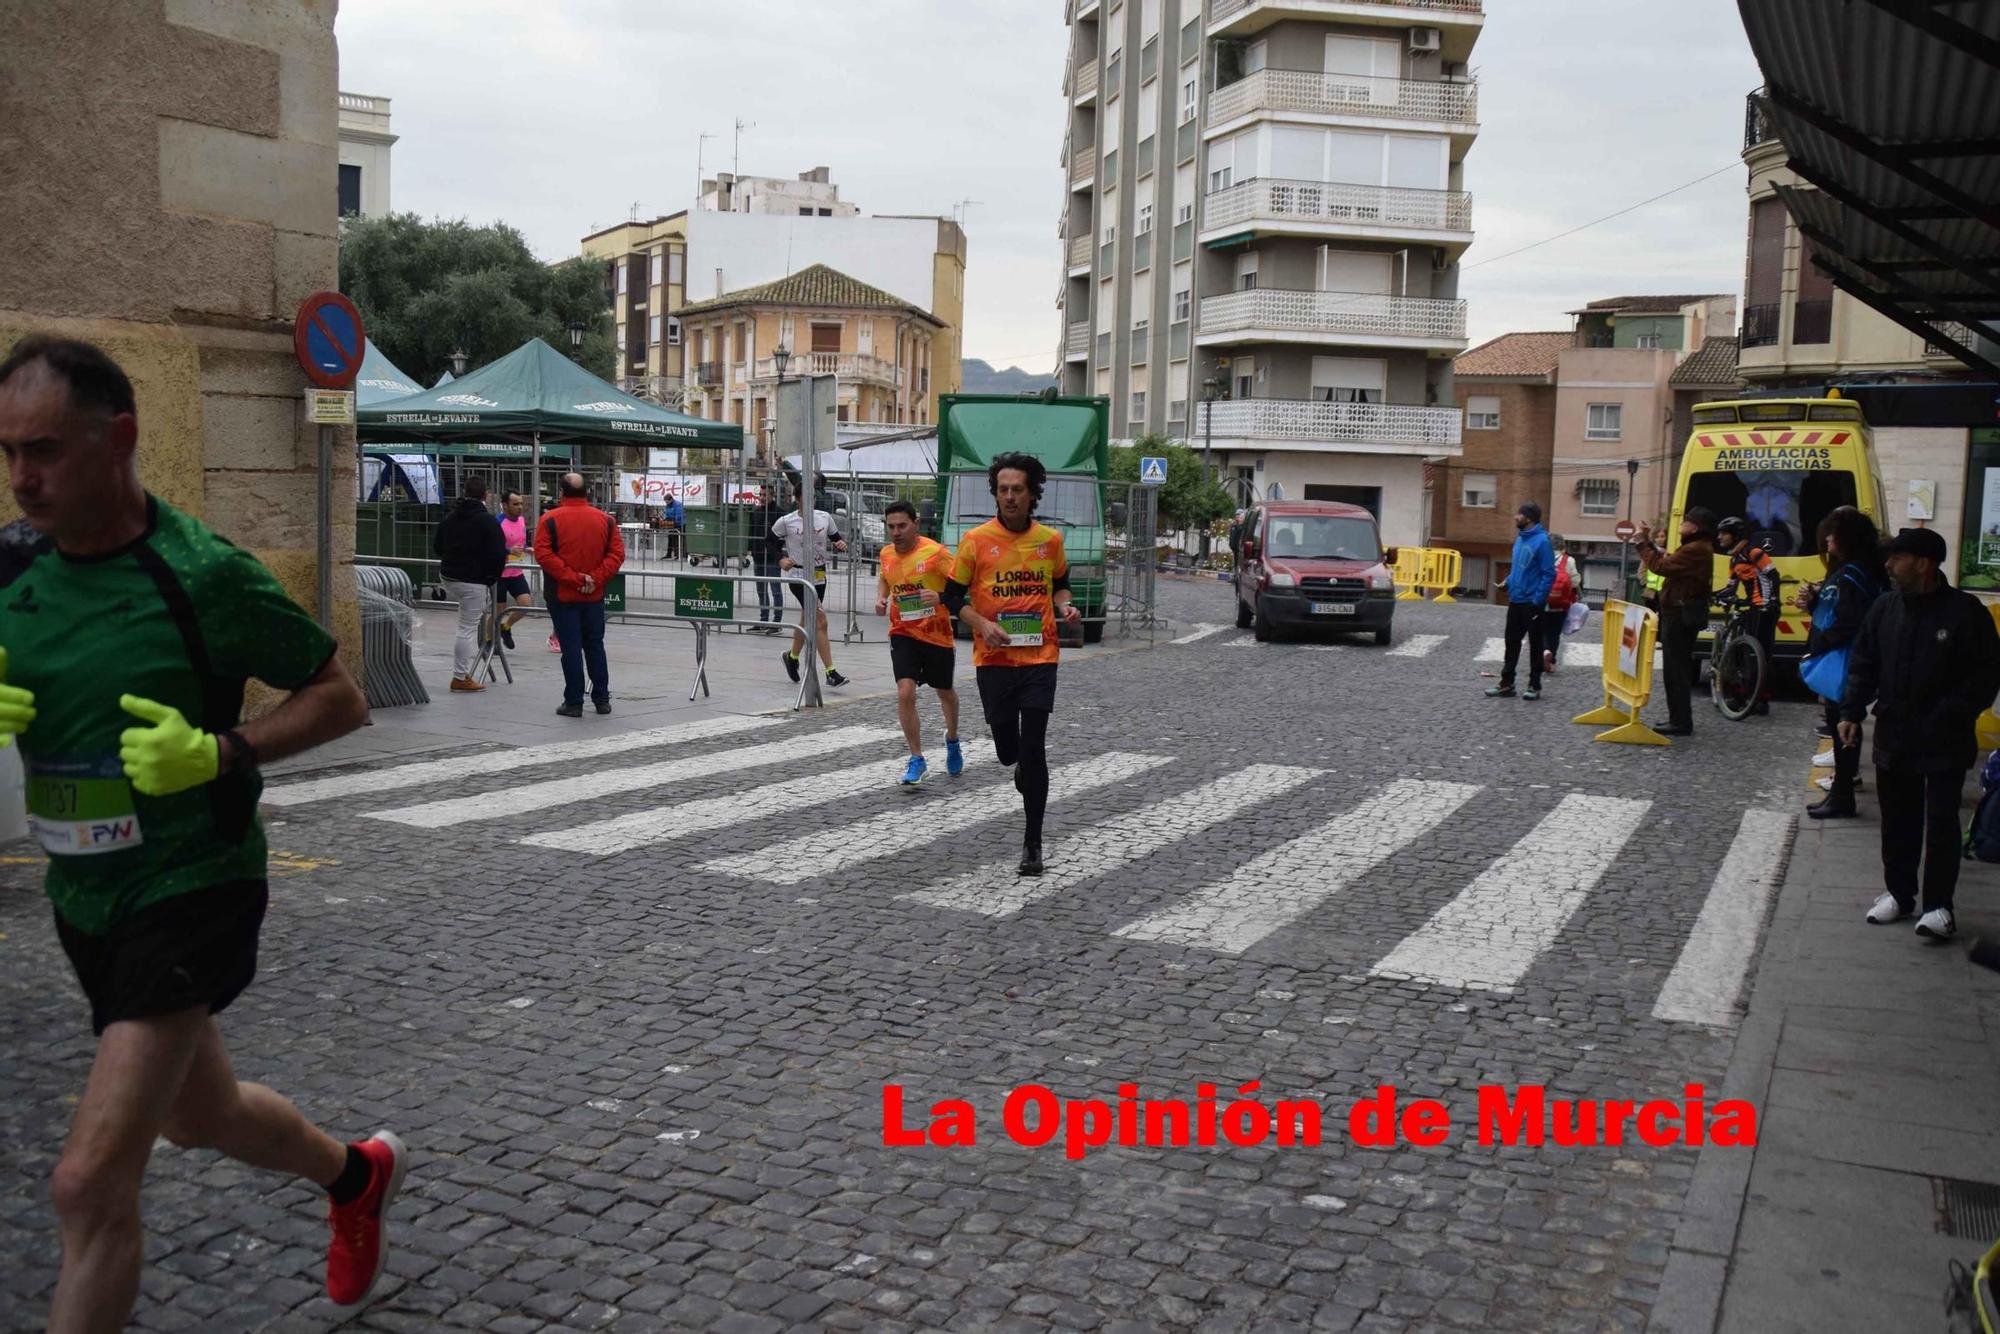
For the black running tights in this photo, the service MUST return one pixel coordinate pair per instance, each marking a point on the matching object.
(1021, 738)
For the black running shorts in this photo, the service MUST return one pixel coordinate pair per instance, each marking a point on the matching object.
(919, 660)
(1008, 689)
(515, 586)
(198, 948)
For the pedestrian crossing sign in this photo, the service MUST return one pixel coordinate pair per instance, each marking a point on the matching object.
(1152, 472)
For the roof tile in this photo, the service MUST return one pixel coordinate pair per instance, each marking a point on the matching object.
(815, 285)
(1711, 364)
(1514, 354)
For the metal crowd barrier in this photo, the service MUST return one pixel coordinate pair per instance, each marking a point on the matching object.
(389, 677)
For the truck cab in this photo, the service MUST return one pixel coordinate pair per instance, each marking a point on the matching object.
(1072, 438)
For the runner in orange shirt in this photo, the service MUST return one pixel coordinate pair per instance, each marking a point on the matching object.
(1010, 587)
(910, 593)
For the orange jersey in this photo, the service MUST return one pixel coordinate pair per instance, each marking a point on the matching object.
(927, 566)
(1011, 580)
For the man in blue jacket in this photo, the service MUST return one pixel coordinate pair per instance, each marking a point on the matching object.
(1528, 583)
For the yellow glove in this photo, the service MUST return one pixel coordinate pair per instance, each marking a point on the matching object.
(17, 707)
(168, 757)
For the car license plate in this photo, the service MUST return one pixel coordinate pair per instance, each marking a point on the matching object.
(1333, 608)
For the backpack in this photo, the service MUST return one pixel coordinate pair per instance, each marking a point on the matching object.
(1562, 593)
(1982, 838)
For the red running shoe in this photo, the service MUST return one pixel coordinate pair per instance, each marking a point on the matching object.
(360, 1246)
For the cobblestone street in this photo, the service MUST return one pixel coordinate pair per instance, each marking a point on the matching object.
(633, 1011)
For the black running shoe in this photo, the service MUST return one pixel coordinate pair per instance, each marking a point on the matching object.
(507, 637)
(1031, 859)
(791, 666)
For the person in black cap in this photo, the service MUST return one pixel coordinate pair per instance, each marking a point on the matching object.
(1928, 659)
(1688, 571)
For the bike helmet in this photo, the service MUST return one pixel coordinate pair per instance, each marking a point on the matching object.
(1733, 525)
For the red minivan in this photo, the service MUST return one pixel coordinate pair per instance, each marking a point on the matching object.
(1303, 564)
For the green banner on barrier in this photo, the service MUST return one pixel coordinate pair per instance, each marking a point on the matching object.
(614, 595)
(705, 599)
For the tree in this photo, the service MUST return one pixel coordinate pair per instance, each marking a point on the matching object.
(1185, 501)
(426, 289)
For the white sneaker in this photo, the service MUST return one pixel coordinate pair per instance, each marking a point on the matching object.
(1937, 924)
(1887, 910)
(1823, 760)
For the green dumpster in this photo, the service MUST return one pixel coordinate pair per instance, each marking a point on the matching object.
(705, 537)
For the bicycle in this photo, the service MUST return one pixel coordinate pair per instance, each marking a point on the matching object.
(1737, 665)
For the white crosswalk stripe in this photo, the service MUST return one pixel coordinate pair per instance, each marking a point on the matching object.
(594, 783)
(1294, 878)
(1417, 646)
(1198, 632)
(665, 824)
(1267, 644)
(503, 761)
(821, 853)
(1116, 843)
(1490, 935)
(1708, 975)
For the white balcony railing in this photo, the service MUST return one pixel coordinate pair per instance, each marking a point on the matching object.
(1308, 92)
(1076, 344)
(1082, 164)
(1222, 9)
(363, 102)
(856, 366)
(1380, 424)
(1083, 79)
(1079, 251)
(1362, 313)
(1336, 204)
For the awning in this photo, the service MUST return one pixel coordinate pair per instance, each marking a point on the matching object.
(537, 393)
(1889, 111)
(380, 379)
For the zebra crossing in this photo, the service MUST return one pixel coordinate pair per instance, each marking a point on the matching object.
(1580, 652)
(729, 774)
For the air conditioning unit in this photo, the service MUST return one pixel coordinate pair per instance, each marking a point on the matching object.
(1425, 39)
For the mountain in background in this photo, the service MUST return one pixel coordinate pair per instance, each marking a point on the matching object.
(980, 378)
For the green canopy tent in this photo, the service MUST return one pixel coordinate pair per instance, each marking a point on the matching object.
(380, 379)
(533, 395)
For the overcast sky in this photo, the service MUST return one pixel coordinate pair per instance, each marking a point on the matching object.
(559, 119)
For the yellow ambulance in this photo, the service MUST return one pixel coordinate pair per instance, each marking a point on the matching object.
(1781, 464)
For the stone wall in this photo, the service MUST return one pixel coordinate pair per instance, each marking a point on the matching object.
(172, 187)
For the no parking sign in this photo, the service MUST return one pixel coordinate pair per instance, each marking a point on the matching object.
(327, 336)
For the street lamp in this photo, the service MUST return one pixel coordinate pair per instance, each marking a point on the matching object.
(1211, 389)
(1625, 548)
(458, 360)
(781, 357)
(576, 332)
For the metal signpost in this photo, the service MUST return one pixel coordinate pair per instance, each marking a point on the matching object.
(807, 411)
(329, 342)
(702, 601)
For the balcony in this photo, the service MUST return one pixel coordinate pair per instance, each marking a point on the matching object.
(1755, 129)
(1081, 9)
(1083, 81)
(1082, 167)
(1079, 251)
(1458, 21)
(854, 367)
(1760, 324)
(1272, 315)
(1359, 428)
(1333, 208)
(1311, 93)
(708, 374)
(1076, 343)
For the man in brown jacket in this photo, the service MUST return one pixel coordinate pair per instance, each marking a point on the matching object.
(1689, 572)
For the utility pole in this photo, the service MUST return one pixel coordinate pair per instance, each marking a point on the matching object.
(736, 152)
(700, 143)
(1625, 548)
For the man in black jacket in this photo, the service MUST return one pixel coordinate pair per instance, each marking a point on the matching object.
(1928, 658)
(471, 551)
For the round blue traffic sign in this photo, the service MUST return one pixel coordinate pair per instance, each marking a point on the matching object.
(329, 341)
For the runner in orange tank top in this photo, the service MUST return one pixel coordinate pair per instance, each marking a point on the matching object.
(910, 593)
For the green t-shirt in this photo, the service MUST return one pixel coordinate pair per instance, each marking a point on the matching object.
(181, 617)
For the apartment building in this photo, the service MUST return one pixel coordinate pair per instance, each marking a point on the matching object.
(812, 195)
(1265, 207)
(879, 346)
(365, 144)
(1507, 389)
(646, 267)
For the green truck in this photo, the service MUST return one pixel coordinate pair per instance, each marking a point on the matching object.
(1072, 438)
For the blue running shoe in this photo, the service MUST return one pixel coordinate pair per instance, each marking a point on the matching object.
(954, 758)
(913, 773)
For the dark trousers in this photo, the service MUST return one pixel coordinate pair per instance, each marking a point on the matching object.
(1678, 631)
(770, 597)
(580, 631)
(1846, 759)
(1021, 738)
(1523, 622)
(1552, 631)
(1920, 821)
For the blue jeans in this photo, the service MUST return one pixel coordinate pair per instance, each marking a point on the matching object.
(770, 597)
(580, 631)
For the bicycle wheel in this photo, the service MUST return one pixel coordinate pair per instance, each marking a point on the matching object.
(1738, 677)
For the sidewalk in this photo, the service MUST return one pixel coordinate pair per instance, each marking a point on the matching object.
(652, 670)
(1871, 1058)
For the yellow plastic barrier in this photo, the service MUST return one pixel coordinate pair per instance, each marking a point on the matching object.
(1406, 572)
(1629, 634)
(1442, 568)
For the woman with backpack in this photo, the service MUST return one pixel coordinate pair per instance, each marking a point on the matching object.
(1850, 548)
(1563, 595)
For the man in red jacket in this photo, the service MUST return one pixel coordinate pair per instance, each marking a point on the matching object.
(579, 549)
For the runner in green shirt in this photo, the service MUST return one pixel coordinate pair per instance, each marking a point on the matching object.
(127, 633)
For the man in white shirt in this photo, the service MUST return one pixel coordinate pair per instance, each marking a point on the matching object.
(803, 555)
